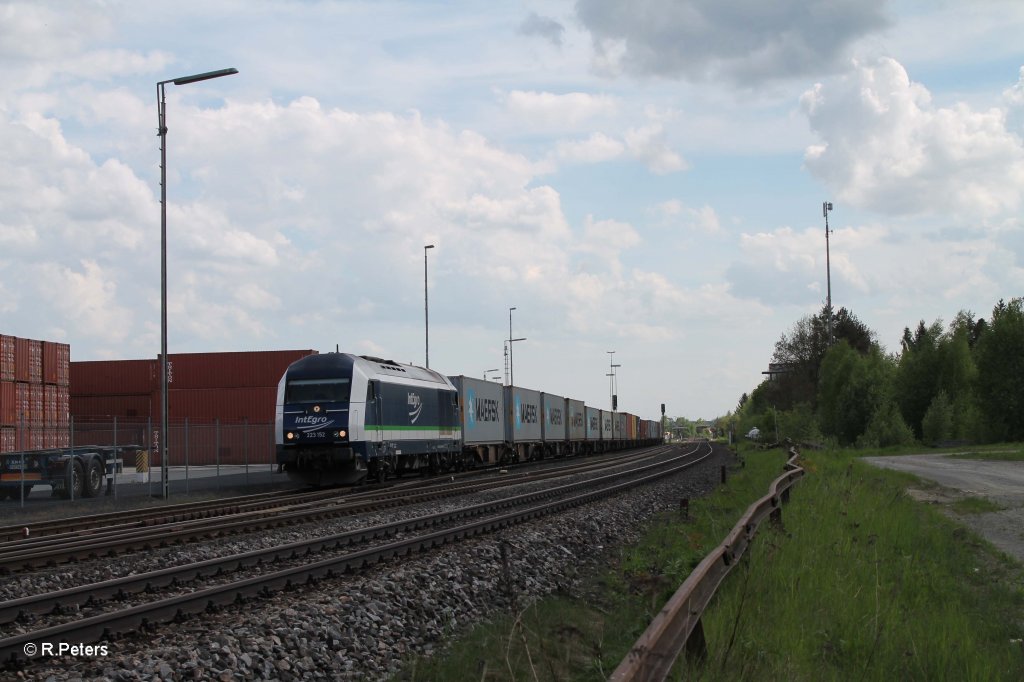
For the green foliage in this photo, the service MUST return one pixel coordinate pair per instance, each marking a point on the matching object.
(917, 379)
(886, 428)
(851, 389)
(999, 353)
(937, 425)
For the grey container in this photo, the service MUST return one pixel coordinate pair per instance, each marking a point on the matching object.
(593, 424)
(481, 410)
(522, 415)
(575, 420)
(554, 421)
(607, 421)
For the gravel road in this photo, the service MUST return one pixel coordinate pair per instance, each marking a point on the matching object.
(1000, 482)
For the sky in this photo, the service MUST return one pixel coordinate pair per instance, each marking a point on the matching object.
(643, 177)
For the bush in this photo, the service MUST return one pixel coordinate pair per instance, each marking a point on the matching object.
(937, 425)
(886, 428)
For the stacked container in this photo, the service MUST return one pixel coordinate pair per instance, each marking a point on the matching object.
(33, 394)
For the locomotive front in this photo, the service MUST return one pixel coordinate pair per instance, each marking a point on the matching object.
(315, 419)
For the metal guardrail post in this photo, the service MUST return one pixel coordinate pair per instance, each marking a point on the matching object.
(677, 627)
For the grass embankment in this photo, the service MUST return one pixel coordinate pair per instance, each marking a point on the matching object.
(863, 583)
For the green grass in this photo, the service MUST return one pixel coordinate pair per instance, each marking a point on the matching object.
(862, 583)
(867, 584)
(975, 505)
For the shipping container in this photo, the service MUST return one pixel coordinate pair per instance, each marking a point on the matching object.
(576, 430)
(21, 404)
(108, 406)
(522, 415)
(7, 358)
(114, 377)
(606, 425)
(7, 439)
(593, 418)
(35, 362)
(21, 359)
(553, 421)
(229, 405)
(482, 410)
(8, 404)
(254, 369)
(63, 408)
(56, 361)
(36, 414)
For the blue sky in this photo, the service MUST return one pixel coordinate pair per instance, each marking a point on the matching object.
(643, 177)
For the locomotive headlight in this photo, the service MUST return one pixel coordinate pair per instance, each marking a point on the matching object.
(290, 436)
(340, 434)
(316, 408)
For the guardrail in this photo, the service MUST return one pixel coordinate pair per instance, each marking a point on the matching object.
(678, 625)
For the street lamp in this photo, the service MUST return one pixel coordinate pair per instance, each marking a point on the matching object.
(825, 208)
(511, 373)
(611, 385)
(426, 308)
(161, 113)
(488, 371)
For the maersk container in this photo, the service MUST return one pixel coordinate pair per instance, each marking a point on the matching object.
(621, 427)
(607, 422)
(593, 424)
(553, 421)
(576, 429)
(522, 415)
(482, 410)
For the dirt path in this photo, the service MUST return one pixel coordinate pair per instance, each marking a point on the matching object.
(1000, 482)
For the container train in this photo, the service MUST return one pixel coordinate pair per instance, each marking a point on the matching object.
(341, 418)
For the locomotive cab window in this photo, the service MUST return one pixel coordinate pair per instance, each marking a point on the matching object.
(317, 390)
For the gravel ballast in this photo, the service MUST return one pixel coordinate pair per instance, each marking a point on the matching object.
(366, 626)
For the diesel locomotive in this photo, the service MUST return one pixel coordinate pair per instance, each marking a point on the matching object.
(341, 418)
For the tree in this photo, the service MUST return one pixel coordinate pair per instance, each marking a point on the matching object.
(999, 354)
(937, 425)
(852, 388)
(917, 378)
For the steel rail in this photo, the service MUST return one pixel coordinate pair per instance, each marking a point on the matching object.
(83, 594)
(130, 619)
(677, 626)
(46, 551)
(177, 513)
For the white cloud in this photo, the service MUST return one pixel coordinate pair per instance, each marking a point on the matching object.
(1014, 95)
(649, 144)
(87, 296)
(545, 27)
(567, 111)
(885, 146)
(595, 149)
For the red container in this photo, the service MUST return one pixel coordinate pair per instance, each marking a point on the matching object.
(114, 377)
(7, 358)
(109, 406)
(56, 358)
(35, 439)
(228, 370)
(21, 404)
(21, 360)
(55, 438)
(35, 362)
(62, 408)
(229, 405)
(6, 439)
(8, 404)
(36, 415)
(49, 405)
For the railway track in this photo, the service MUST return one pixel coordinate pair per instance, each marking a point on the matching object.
(26, 554)
(406, 537)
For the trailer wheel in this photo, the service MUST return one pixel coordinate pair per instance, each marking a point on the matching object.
(76, 482)
(93, 479)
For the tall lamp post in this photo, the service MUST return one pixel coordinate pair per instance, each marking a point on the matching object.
(161, 113)
(825, 208)
(511, 374)
(426, 307)
(611, 385)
